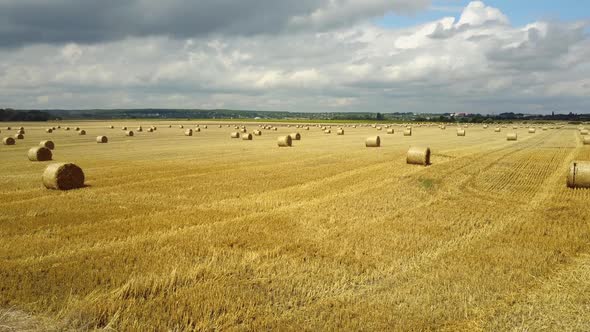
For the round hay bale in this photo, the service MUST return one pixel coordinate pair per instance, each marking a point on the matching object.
(443, 127)
(8, 128)
(154, 128)
(150, 130)
(102, 139)
(235, 134)
(47, 144)
(247, 137)
(340, 131)
(220, 126)
(205, 126)
(20, 131)
(257, 132)
(169, 126)
(77, 129)
(8, 141)
(418, 156)
(485, 126)
(275, 128)
(21, 128)
(67, 128)
(497, 129)
(188, 132)
(327, 131)
(579, 175)
(391, 131)
(586, 140)
(19, 136)
(39, 153)
(82, 132)
(295, 136)
(111, 127)
(197, 130)
(379, 128)
(584, 132)
(512, 137)
(306, 128)
(284, 141)
(49, 130)
(63, 176)
(243, 130)
(181, 126)
(460, 132)
(514, 127)
(122, 128)
(129, 133)
(408, 132)
(139, 129)
(532, 130)
(373, 142)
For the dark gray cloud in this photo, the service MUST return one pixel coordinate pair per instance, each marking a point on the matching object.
(90, 21)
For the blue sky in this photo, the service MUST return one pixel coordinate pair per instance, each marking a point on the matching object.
(520, 12)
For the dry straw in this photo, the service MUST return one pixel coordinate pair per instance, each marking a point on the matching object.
(418, 156)
(47, 144)
(8, 141)
(39, 153)
(284, 141)
(295, 136)
(512, 137)
(579, 175)
(246, 136)
(373, 142)
(63, 176)
(102, 139)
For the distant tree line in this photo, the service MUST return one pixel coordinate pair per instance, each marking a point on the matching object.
(14, 115)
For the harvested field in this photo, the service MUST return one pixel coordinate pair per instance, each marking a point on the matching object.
(210, 233)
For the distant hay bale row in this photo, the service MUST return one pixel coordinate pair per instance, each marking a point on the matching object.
(39, 153)
(579, 174)
(63, 176)
(418, 156)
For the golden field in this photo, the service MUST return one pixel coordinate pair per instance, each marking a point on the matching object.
(212, 233)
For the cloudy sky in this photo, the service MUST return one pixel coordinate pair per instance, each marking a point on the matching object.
(304, 55)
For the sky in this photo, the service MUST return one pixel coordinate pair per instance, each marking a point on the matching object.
(433, 56)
